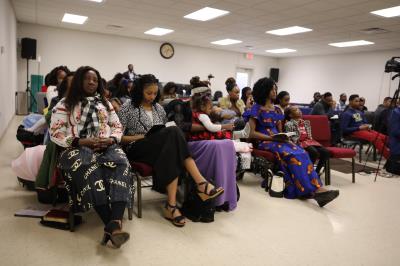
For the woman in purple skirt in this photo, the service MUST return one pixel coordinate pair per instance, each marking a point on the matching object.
(216, 159)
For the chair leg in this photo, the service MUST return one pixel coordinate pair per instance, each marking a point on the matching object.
(130, 211)
(374, 152)
(71, 219)
(327, 172)
(55, 194)
(139, 195)
(353, 170)
(360, 152)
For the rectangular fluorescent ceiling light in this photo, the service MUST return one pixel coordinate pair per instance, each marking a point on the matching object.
(97, 1)
(226, 42)
(351, 43)
(289, 31)
(76, 19)
(206, 13)
(388, 12)
(158, 31)
(281, 51)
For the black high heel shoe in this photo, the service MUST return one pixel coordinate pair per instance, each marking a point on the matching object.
(117, 238)
(324, 198)
(204, 195)
(178, 221)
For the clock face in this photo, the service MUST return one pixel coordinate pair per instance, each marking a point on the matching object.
(167, 50)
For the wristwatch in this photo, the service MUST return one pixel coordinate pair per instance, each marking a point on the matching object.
(115, 140)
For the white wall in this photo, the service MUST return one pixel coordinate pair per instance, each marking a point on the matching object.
(110, 54)
(359, 73)
(8, 63)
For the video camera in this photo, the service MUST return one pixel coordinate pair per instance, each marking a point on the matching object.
(393, 65)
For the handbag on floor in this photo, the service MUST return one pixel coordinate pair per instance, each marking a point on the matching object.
(197, 210)
(393, 164)
(276, 185)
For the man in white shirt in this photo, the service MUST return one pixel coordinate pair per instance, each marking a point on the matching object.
(341, 105)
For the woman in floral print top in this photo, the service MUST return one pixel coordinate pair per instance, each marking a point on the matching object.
(86, 125)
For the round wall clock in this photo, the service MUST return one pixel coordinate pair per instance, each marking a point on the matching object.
(167, 50)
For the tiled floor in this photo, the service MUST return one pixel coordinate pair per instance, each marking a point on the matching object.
(362, 227)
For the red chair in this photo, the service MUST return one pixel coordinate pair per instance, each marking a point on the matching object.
(262, 161)
(143, 174)
(321, 132)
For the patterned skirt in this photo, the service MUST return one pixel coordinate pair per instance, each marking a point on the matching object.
(97, 178)
(300, 177)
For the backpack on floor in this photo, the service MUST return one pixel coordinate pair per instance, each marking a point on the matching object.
(393, 164)
(27, 184)
(27, 138)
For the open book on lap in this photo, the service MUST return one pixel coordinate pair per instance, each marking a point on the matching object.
(283, 135)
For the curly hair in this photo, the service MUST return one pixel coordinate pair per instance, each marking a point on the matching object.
(51, 78)
(194, 80)
(200, 101)
(230, 84)
(140, 84)
(76, 92)
(262, 89)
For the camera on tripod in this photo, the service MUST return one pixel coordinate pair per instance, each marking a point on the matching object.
(393, 65)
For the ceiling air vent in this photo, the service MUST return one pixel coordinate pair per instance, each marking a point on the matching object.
(113, 26)
(374, 31)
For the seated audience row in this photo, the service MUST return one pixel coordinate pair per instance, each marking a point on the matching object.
(101, 127)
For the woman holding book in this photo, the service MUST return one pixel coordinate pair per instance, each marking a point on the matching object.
(301, 181)
(164, 149)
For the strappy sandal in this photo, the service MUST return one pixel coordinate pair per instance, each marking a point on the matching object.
(117, 238)
(204, 195)
(178, 221)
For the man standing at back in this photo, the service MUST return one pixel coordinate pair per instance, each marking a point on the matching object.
(341, 105)
(130, 74)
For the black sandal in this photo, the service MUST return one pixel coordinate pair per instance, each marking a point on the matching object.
(204, 196)
(169, 215)
(117, 238)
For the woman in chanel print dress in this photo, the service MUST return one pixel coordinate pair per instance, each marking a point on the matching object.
(86, 125)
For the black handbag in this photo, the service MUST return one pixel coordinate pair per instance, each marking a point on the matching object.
(393, 164)
(276, 185)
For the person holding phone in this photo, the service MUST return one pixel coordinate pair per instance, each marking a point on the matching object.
(299, 176)
(166, 150)
(354, 124)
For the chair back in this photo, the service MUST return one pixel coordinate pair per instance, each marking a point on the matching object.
(320, 128)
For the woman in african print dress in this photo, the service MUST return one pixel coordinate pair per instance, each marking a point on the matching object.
(87, 127)
(301, 181)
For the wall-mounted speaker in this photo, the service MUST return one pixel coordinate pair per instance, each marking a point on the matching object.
(28, 48)
(274, 74)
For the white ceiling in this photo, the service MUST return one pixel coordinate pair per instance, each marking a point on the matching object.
(331, 21)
